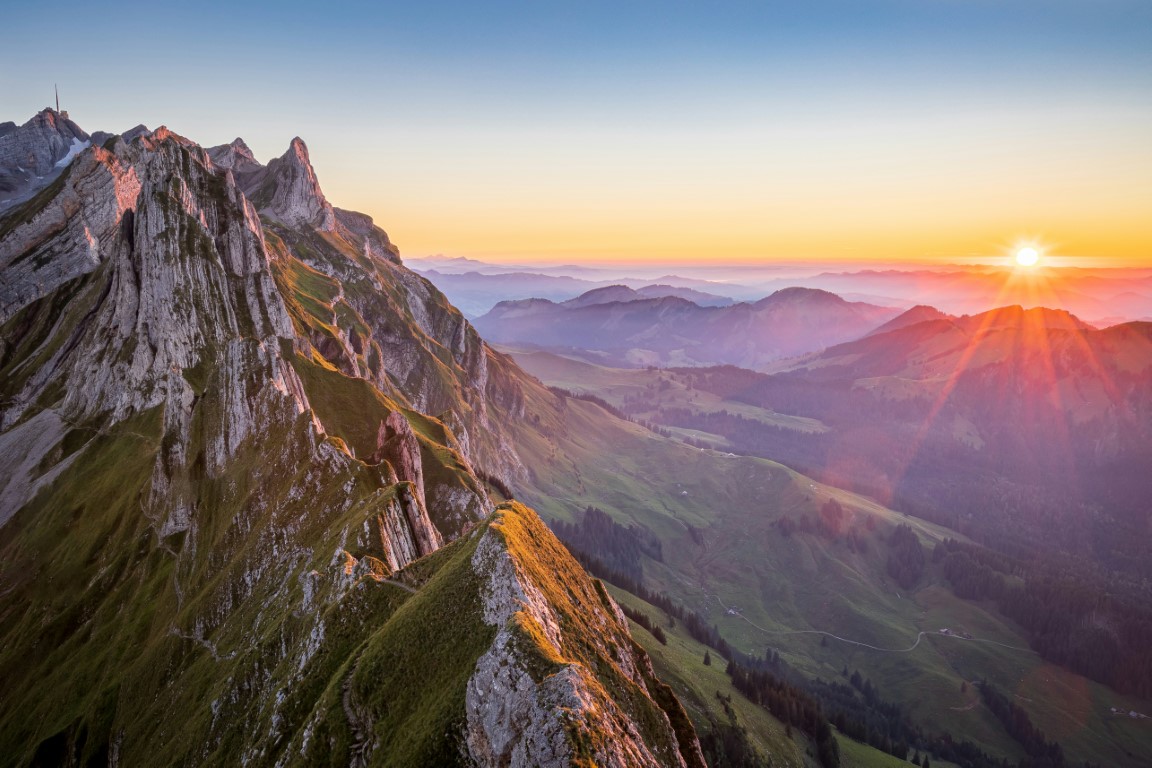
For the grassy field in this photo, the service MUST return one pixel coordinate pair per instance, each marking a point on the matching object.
(717, 518)
(853, 754)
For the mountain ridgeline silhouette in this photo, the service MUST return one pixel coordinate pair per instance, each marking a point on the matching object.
(620, 326)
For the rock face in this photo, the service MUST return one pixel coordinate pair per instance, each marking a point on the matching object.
(34, 153)
(233, 421)
(562, 677)
(296, 195)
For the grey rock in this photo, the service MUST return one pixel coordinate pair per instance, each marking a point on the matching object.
(515, 720)
(291, 194)
(29, 155)
(134, 133)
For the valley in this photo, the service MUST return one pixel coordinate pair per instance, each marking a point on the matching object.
(822, 574)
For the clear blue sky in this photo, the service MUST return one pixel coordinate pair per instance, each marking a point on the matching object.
(908, 128)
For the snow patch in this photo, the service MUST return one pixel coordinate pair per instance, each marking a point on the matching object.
(76, 148)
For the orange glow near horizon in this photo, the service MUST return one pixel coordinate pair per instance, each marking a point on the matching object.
(916, 194)
(533, 231)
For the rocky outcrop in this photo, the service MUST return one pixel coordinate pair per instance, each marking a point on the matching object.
(49, 242)
(291, 194)
(397, 444)
(376, 242)
(562, 677)
(235, 156)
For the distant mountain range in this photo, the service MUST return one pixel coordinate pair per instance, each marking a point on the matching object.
(476, 293)
(1103, 296)
(617, 325)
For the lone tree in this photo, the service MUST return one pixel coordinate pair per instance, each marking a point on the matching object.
(707, 659)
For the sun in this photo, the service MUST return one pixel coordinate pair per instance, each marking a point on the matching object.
(1027, 257)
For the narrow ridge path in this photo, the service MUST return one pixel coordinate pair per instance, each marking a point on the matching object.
(400, 584)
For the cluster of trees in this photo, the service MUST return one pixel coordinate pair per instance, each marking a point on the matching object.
(1092, 621)
(859, 713)
(619, 547)
(830, 522)
(790, 705)
(495, 482)
(726, 745)
(590, 398)
(905, 556)
(970, 572)
(1080, 624)
(645, 621)
(1041, 752)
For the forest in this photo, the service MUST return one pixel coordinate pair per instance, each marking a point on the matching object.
(1093, 621)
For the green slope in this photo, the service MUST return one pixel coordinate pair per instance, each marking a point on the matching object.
(717, 518)
(680, 663)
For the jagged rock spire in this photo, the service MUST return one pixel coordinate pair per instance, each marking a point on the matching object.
(296, 197)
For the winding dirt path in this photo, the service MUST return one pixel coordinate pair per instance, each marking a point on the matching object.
(919, 635)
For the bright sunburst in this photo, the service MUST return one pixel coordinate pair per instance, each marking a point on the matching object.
(1027, 257)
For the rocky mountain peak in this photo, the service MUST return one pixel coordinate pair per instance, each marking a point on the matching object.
(236, 157)
(241, 148)
(165, 134)
(50, 120)
(293, 193)
(135, 132)
(33, 154)
(299, 149)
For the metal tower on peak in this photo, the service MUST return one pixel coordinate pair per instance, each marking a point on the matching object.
(61, 114)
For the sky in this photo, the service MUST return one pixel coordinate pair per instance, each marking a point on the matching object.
(871, 130)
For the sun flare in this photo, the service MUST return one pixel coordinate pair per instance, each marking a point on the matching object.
(1027, 257)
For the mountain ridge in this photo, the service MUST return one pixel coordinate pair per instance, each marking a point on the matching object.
(230, 412)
